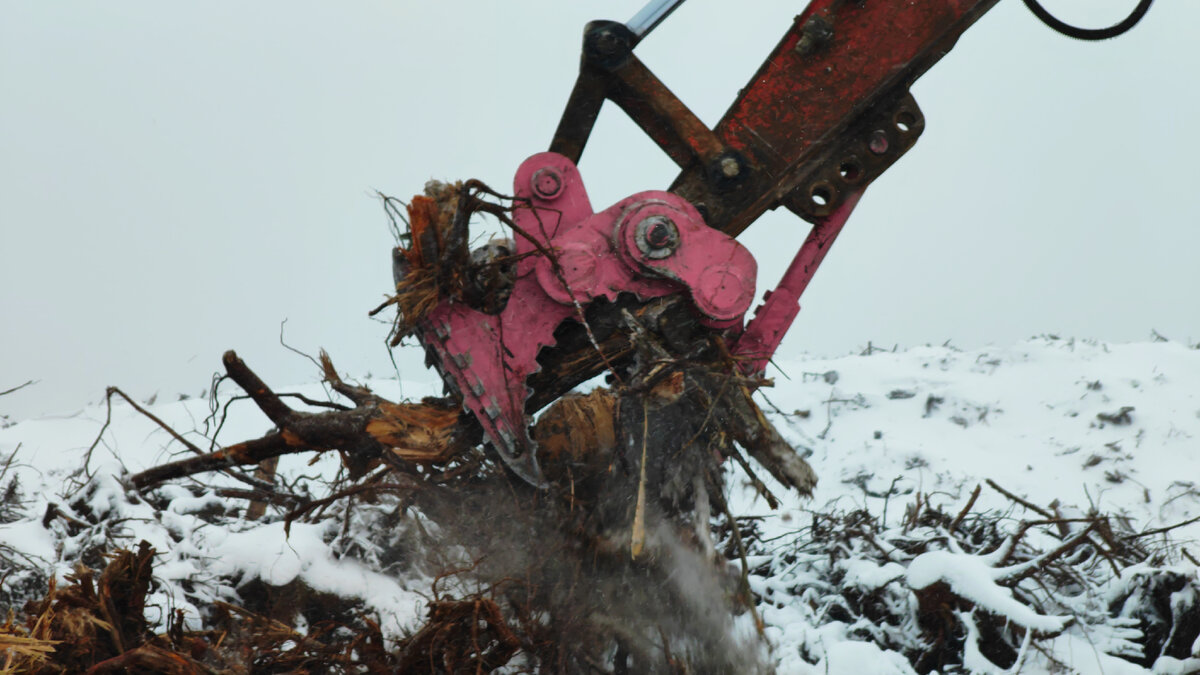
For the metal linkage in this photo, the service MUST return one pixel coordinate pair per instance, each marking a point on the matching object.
(826, 114)
(611, 71)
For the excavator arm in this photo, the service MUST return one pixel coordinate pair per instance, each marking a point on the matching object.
(825, 115)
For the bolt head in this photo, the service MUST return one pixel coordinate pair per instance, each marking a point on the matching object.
(878, 143)
(657, 237)
(729, 167)
(546, 183)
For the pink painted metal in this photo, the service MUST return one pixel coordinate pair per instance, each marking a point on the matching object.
(772, 319)
(651, 244)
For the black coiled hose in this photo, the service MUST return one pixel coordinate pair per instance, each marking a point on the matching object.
(1089, 33)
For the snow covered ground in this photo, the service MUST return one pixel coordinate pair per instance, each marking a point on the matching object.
(1072, 427)
(1093, 425)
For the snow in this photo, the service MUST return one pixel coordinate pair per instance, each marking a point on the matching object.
(973, 578)
(868, 576)
(1171, 666)
(29, 537)
(883, 428)
(1042, 419)
(849, 657)
(1024, 416)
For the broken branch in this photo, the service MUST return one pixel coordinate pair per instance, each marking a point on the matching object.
(18, 387)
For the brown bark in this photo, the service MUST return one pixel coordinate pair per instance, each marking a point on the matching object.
(429, 432)
(265, 473)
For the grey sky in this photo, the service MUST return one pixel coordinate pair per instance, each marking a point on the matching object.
(176, 179)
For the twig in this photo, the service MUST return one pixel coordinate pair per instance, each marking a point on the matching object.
(248, 452)
(360, 395)
(1027, 504)
(264, 398)
(870, 539)
(312, 401)
(1160, 530)
(174, 434)
(18, 387)
(300, 511)
(243, 397)
(638, 538)
(759, 487)
(8, 461)
(966, 509)
(1017, 573)
(741, 546)
(87, 457)
(1010, 546)
(772, 404)
(293, 349)
(887, 498)
(393, 214)
(914, 513)
(260, 496)
(1104, 529)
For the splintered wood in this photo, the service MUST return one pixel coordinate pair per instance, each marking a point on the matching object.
(420, 433)
(97, 624)
(578, 428)
(87, 623)
(429, 432)
(460, 636)
(417, 291)
(433, 265)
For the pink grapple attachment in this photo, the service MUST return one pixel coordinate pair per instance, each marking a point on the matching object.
(652, 244)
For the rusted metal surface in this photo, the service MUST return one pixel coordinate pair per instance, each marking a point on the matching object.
(837, 177)
(832, 96)
(840, 62)
(611, 71)
(579, 116)
(871, 145)
(827, 113)
(666, 119)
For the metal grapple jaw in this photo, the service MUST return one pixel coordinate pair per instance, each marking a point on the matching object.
(651, 244)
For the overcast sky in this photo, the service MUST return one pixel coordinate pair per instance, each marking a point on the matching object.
(177, 179)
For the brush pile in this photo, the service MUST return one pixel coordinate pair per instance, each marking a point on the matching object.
(933, 591)
(613, 566)
(978, 592)
(374, 534)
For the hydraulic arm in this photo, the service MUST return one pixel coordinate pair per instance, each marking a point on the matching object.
(825, 115)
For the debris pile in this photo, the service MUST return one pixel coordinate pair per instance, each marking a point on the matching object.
(409, 543)
(979, 591)
(934, 590)
(100, 623)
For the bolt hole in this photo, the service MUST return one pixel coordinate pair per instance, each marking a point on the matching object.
(905, 121)
(850, 171)
(821, 195)
(659, 235)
